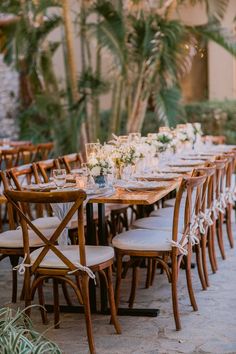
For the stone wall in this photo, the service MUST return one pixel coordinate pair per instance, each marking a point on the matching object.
(9, 89)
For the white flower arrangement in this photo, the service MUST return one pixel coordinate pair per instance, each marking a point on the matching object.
(165, 141)
(186, 134)
(99, 166)
(125, 154)
(197, 129)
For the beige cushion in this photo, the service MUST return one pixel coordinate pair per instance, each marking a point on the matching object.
(155, 223)
(94, 255)
(46, 222)
(166, 212)
(144, 240)
(14, 238)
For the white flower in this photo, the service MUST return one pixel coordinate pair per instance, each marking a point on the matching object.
(95, 171)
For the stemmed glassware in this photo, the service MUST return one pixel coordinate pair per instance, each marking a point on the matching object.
(59, 177)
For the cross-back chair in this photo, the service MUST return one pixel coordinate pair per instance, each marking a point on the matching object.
(9, 158)
(11, 242)
(74, 265)
(44, 150)
(71, 161)
(165, 245)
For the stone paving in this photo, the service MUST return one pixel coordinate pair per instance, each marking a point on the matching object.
(210, 330)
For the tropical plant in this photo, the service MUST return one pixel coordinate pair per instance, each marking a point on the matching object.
(151, 52)
(17, 335)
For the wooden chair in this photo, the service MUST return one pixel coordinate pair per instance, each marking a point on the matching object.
(9, 158)
(45, 167)
(27, 154)
(71, 161)
(164, 244)
(11, 242)
(221, 163)
(44, 150)
(51, 261)
(215, 139)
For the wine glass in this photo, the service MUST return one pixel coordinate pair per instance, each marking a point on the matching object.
(59, 177)
(92, 150)
(134, 137)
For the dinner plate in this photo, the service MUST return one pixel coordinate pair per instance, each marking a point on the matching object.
(187, 163)
(142, 185)
(179, 170)
(158, 177)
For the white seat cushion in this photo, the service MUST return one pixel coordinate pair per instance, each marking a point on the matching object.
(94, 255)
(14, 238)
(144, 240)
(46, 222)
(155, 223)
(166, 212)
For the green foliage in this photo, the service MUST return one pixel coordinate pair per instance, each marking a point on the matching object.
(17, 335)
(216, 117)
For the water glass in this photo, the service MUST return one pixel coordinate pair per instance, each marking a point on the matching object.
(134, 137)
(92, 150)
(59, 177)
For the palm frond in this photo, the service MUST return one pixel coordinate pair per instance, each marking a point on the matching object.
(167, 105)
(214, 32)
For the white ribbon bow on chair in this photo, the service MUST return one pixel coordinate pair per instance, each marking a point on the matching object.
(83, 269)
(229, 196)
(21, 267)
(181, 248)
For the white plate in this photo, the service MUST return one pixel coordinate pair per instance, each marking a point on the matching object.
(142, 185)
(187, 163)
(158, 177)
(177, 170)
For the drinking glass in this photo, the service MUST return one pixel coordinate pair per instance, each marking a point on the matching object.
(134, 137)
(59, 177)
(164, 130)
(123, 139)
(92, 150)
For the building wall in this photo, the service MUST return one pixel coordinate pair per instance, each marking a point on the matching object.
(8, 100)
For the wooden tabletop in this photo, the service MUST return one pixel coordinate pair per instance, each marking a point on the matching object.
(122, 196)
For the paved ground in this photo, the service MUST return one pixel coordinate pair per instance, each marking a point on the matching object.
(210, 330)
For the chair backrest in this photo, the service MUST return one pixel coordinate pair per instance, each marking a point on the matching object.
(71, 161)
(44, 150)
(24, 175)
(215, 139)
(27, 154)
(208, 189)
(75, 204)
(9, 158)
(193, 186)
(221, 163)
(45, 167)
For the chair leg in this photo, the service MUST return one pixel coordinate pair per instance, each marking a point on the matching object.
(134, 284)
(118, 278)
(213, 234)
(149, 273)
(229, 225)
(189, 281)
(27, 292)
(199, 267)
(114, 319)
(42, 303)
(66, 293)
(220, 235)
(174, 291)
(56, 306)
(210, 249)
(154, 268)
(87, 312)
(14, 262)
(204, 259)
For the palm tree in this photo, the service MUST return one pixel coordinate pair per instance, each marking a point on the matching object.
(151, 53)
